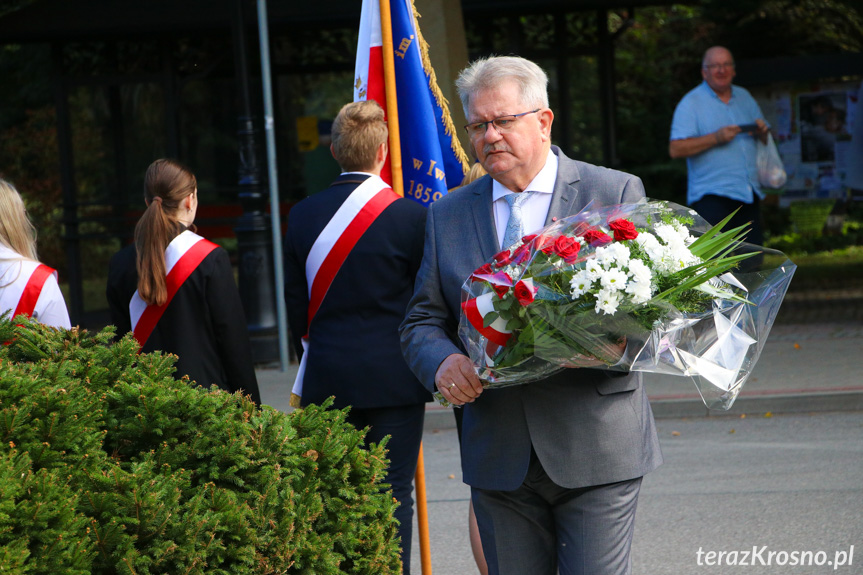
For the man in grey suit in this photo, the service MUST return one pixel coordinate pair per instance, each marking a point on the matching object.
(554, 466)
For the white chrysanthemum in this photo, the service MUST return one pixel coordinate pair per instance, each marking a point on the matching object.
(681, 257)
(593, 269)
(671, 257)
(603, 256)
(665, 232)
(580, 284)
(614, 253)
(661, 260)
(607, 301)
(639, 271)
(647, 241)
(639, 290)
(620, 253)
(651, 246)
(683, 231)
(613, 279)
(671, 235)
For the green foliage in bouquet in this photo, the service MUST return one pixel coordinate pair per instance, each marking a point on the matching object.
(110, 465)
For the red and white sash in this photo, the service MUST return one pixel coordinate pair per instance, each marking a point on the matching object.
(331, 249)
(30, 295)
(183, 256)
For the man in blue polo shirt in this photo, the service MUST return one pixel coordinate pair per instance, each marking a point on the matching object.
(714, 128)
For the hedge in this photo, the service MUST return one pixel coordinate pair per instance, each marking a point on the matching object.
(110, 465)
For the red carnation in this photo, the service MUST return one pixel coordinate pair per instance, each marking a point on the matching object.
(623, 230)
(596, 238)
(567, 248)
(523, 293)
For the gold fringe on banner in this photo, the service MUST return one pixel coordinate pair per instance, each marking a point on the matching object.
(449, 127)
(295, 400)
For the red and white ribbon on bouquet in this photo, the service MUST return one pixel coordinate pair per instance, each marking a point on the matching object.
(331, 249)
(475, 310)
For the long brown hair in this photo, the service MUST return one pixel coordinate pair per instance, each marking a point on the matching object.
(166, 184)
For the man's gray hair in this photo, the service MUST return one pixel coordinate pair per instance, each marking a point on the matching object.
(491, 72)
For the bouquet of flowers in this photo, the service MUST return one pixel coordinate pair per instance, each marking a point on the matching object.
(636, 287)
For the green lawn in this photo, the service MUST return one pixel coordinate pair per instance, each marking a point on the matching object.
(839, 269)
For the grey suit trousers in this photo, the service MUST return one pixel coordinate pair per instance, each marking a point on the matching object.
(544, 529)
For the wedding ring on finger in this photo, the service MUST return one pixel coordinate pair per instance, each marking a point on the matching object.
(451, 385)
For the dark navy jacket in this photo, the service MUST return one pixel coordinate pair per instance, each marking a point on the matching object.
(354, 350)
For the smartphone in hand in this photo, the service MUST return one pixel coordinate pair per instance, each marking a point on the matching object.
(748, 128)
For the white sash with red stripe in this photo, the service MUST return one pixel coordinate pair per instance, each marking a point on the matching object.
(183, 256)
(331, 249)
(32, 290)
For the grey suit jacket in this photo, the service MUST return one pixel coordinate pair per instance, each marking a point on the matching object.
(588, 427)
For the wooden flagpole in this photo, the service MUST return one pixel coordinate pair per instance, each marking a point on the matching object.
(398, 186)
(422, 515)
(392, 105)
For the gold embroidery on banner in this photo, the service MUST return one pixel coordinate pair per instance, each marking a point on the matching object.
(403, 47)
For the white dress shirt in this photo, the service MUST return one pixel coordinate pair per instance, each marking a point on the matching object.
(535, 209)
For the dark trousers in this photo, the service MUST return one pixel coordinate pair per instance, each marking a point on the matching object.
(544, 529)
(404, 425)
(715, 208)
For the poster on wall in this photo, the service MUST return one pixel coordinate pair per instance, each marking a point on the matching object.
(823, 121)
(812, 127)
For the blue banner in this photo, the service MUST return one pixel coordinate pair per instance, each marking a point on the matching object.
(433, 160)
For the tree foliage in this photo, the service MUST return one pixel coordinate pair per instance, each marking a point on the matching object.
(771, 28)
(110, 465)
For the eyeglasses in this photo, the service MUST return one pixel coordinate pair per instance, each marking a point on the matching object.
(715, 67)
(501, 124)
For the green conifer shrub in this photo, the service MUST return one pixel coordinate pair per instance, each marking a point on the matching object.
(110, 465)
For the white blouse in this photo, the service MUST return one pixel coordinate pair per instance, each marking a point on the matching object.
(15, 271)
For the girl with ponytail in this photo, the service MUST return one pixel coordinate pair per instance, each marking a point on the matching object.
(171, 195)
(175, 290)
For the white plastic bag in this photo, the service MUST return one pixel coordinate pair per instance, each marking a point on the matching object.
(771, 171)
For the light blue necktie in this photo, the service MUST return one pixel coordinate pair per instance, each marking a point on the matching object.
(514, 227)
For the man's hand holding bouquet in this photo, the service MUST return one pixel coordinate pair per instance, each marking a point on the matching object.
(642, 287)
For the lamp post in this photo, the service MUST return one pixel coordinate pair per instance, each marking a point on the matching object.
(254, 235)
